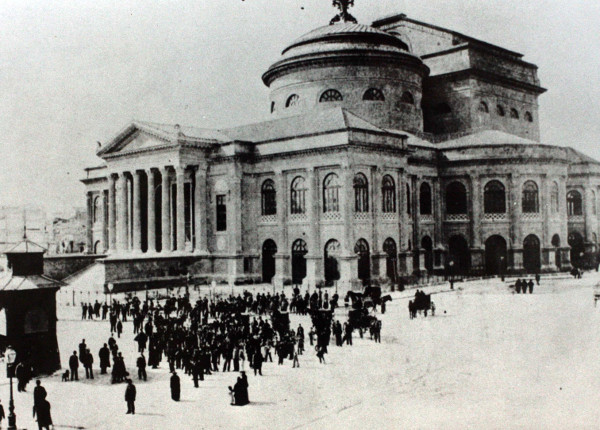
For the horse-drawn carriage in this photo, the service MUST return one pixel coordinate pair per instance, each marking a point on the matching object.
(421, 303)
(370, 298)
(361, 318)
(280, 321)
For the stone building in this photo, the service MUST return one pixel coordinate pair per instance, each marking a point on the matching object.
(394, 149)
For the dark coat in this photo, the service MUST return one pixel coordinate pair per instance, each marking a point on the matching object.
(130, 393)
(175, 387)
(74, 362)
(42, 410)
(104, 355)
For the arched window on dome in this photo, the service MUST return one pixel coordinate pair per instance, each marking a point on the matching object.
(361, 193)
(494, 198)
(514, 113)
(292, 101)
(500, 110)
(331, 193)
(298, 196)
(530, 200)
(574, 203)
(483, 107)
(388, 194)
(528, 117)
(374, 94)
(331, 95)
(407, 98)
(268, 198)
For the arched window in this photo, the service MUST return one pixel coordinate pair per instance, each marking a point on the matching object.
(331, 96)
(292, 100)
(456, 199)
(483, 107)
(530, 200)
(574, 203)
(514, 113)
(298, 195)
(391, 252)
(388, 188)
(494, 198)
(361, 193)
(408, 202)
(425, 199)
(554, 198)
(331, 193)
(528, 117)
(500, 110)
(407, 98)
(268, 198)
(373, 94)
(97, 209)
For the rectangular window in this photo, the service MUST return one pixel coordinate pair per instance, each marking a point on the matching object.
(221, 213)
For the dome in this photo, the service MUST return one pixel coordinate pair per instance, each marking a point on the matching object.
(343, 42)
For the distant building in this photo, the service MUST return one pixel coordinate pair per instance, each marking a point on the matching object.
(69, 234)
(394, 149)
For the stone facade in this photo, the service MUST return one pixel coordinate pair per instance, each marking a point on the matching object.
(395, 150)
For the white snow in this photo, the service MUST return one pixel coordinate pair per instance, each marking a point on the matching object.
(488, 359)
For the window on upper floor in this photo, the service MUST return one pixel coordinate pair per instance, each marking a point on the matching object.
(425, 199)
(268, 198)
(456, 199)
(97, 209)
(292, 101)
(528, 117)
(494, 198)
(298, 196)
(500, 110)
(574, 203)
(361, 193)
(331, 95)
(221, 213)
(514, 113)
(407, 98)
(331, 193)
(408, 200)
(388, 188)
(483, 107)
(530, 199)
(373, 94)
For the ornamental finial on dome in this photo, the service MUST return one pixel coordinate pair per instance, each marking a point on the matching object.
(343, 16)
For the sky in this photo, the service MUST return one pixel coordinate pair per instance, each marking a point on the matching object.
(74, 73)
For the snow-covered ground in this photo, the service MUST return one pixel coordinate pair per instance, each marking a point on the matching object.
(488, 359)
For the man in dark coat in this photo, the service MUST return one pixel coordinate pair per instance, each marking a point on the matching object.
(130, 394)
(257, 361)
(82, 348)
(42, 410)
(141, 339)
(88, 362)
(141, 365)
(74, 366)
(39, 393)
(175, 387)
(104, 355)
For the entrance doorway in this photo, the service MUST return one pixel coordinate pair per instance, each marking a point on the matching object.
(364, 261)
(391, 259)
(495, 255)
(269, 249)
(332, 271)
(531, 254)
(458, 252)
(299, 252)
(577, 249)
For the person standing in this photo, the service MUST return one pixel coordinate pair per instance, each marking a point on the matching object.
(74, 366)
(141, 365)
(2, 416)
(119, 328)
(257, 361)
(130, 394)
(104, 355)
(88, 362)
(44, 418)
(175, 387)
(39, 393)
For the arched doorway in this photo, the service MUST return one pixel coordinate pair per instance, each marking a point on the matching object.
(427, 245)
(459, 254)
(577, 249)
(269, 249)
(556, 245)
(97, 247)
(332, 252)
(391, 258)
(299, 252)
(495, 255)
(531, 254)
(364, 260)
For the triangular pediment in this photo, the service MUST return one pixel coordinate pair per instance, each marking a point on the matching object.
(134, 138)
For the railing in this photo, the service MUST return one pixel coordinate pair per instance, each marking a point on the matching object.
(362, 216)
(426, 218)
(268, 219)
(575, 218)
(298, 218)
(389, 216)
(457, 218)
(331, 216)
(531, 217)
(494, 217)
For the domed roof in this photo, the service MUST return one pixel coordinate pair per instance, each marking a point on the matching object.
(349, 33)
(344, 43)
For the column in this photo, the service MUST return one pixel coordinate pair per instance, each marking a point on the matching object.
(112, 213)
(477, 253)
(314, 258)
(122, 239)
(136, 195)
(348, 261)
(283, 253)
(514, 208)
(166, 211)
(151, 212)
(105, 220)
(377, 255)
(180, 202)
(90, 224)
(200, 216)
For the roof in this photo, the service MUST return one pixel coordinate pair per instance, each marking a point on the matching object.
(25, 247)
(343, 29)
(486, 137)
(581, 157)
(9, 283)
(310, 123)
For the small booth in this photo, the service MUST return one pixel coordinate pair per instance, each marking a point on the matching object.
(28, 308)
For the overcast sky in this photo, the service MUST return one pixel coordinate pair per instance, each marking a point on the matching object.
(76, 72)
